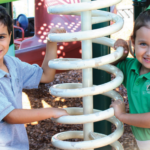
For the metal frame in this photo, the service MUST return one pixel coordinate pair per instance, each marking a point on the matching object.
(86, 115)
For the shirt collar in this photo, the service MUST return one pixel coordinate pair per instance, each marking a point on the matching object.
(3, 73)
(136, 67)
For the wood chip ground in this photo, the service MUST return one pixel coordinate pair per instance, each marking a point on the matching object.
(40, 133)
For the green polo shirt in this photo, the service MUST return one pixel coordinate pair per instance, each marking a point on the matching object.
(138, 90)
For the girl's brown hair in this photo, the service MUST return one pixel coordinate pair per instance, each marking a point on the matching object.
(143, 20)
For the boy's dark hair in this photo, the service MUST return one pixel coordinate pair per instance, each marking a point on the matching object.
(143, 20)
(5, 19)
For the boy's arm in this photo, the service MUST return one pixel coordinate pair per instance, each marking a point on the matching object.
(22, 116)
(121, 43)
(138, 120)
(51, 53)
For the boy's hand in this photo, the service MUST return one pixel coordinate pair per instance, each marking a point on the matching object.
(58, 112)
(119, 108)
(122, 43)
(57, 30)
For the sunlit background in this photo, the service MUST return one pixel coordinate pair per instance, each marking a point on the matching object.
(23, 7)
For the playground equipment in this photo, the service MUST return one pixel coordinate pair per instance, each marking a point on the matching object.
(32, 50)
(139, 6)
(86, 116)
(141, 3)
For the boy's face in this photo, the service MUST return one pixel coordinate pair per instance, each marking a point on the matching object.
(4, 40)
(142, 48)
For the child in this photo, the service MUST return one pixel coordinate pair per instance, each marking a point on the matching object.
(137, 81)
(14, 76)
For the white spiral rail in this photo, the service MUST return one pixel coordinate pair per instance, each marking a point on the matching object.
(86, 115)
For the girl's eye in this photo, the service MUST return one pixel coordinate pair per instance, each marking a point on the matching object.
(1, 37)
(143, 44)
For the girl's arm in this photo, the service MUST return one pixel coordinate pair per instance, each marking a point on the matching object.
(22, 116)
(51, 53)
(138, 120)
(121, 43)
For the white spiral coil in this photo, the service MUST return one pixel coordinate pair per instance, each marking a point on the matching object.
(87, 115)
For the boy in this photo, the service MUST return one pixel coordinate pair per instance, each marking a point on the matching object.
(14, 76)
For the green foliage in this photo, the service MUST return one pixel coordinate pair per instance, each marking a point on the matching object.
(6, 1)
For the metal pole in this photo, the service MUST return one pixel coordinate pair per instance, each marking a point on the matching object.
(87, 73)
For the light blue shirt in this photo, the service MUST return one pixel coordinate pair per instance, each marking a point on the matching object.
(21, 76)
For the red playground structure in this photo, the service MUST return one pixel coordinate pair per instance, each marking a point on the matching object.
(32, 49)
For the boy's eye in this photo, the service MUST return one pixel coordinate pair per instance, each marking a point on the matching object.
(1, 37)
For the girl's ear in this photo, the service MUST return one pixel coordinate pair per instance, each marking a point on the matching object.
(133, 41)
(131, 46)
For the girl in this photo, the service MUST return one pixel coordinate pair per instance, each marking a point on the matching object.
(137, 81)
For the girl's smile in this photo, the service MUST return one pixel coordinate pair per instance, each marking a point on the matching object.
(147, 60)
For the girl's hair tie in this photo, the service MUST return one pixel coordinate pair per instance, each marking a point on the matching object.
(148, 8)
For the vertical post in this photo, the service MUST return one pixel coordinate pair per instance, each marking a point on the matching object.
(8, 7)
(137, 11)
(99, 77)
(86, 24)
(139, 6)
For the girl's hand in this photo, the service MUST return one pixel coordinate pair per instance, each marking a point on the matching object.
(119, 108)
(122, 43)
(59, 112)
(57, 30)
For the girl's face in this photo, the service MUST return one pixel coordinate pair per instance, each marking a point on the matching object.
(142, 48)
(4, 41)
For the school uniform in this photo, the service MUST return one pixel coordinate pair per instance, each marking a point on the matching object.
(138, 91)
(21, 76)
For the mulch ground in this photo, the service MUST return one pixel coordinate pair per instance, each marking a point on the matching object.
(40, 134)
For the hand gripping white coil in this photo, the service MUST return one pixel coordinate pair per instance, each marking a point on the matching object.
(87, 115)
